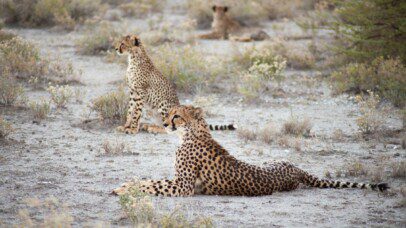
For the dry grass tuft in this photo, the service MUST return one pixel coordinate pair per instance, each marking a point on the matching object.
(372, 118)
(10, 91)
(297, 127)
(266, 135)
(5, 128)
(112, 106)
(140, 210)
(112, 149)
(40, 110)
(52, 213)
(399, 169)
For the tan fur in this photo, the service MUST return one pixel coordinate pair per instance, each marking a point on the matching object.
(147, 86)
(204, 167)
(224, 27)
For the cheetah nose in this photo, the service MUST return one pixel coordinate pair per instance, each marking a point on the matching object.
(165, 125)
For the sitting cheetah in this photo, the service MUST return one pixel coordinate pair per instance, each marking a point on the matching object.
(147, 85)
(223, 27)
(205, 167)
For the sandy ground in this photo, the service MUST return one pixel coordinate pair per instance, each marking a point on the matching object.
(59, 157)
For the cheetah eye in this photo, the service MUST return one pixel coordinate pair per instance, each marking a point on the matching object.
(136, 42)
(176, 116)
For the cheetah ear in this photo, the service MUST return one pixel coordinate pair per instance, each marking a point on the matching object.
(198, 112)
(136, 42)
(226, 9)
(213, 8)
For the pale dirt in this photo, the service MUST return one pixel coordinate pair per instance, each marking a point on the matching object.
(61, 158)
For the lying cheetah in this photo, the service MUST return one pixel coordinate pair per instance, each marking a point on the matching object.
(223, 27)
(147, 85)
(205, 167)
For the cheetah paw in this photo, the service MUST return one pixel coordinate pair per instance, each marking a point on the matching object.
(127, 130)
(123, 189)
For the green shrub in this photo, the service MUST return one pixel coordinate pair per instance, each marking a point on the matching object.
(112, 106)
(386, 77)
(369, 29)
(98, 40)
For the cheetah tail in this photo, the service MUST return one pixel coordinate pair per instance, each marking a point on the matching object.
(314, 181)
(230, 127)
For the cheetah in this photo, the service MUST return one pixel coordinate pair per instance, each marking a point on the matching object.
(147, 85)
(203, 166)
(223, 27)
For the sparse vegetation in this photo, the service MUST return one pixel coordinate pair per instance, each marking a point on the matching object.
(295, 126)
(40, 109)
(266, 135)
(112, 106)
(140, 8)
(140, 210)
(38, 13)
(60, 95)
(92, 44)
(5, 128)
(187, 68)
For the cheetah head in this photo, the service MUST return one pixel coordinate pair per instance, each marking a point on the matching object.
(130, 44)
(181, 118)
(219, 12)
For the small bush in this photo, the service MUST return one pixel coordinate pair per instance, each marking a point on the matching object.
(186, 67)
(40, 110)
(10, 90)
(371, 119)
(112, 106)
(263, 66)
(60, 95)
(98, 40)
(355, 169)
(386, 77)
(21, 59)
(297, 127)
(5, 128)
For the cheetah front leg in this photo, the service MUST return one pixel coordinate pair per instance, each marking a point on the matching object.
(153, 128)
(183, 185)
(134, 113)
